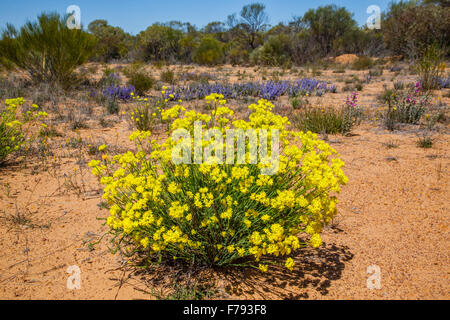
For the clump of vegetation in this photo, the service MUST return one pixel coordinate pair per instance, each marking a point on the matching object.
(168, 76)
(299, 102)
(149, 112)
(425, 142)
(47, 49)
(363, 63)
(15, 126)
(398, 85)
(330, 120)
(275, 52)
(210, 52)
(112, 106)
(110, 78)
(405, 106)
(430, 67)
(141, 82)
(220, 214)
(139, 78)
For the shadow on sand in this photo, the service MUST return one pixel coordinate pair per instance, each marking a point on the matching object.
(315, 269)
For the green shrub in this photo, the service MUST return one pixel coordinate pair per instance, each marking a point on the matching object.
(112, 106)
(210, 52)
(274, 52)
(363, 63)
(430, 67)
(398, 85)
(141, 82)
(110, 78)
(425, 142)
(238, 55)
(299, 102)
(47, 49)
(168, 76)
(405, 106)
(330, 120)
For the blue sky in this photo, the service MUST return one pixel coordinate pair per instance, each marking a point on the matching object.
(136, 15)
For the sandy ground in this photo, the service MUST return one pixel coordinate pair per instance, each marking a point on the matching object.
(394, 214)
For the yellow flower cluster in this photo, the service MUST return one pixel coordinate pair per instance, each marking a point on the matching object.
(13, 132)
(217, 213)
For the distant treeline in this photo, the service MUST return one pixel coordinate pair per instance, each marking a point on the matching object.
(406, 27)
(50, 51)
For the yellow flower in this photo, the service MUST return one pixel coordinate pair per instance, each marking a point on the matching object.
(263, 267)
(290, 264)
(316, 240)
(231, 249)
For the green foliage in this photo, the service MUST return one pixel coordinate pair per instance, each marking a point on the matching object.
(168, 76)
(237, 54)
(327, 24)
(299, 102)
(112, 106)
(363, 63)
(425, 142)
(113, 42)
(141, 82)
(47, 49)
(430, 67)
(138, 78)
(329, 121)
(405, 106)
(159, 42)
(274, 52)
(210, 52)
(408, 27)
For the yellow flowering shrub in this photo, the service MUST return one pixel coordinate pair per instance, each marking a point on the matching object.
(13, 118)
(147, 113)
(221, 214)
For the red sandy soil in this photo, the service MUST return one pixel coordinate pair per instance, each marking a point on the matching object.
(393, 214)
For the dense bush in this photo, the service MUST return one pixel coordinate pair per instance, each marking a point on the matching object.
(139, 79)
(210, 52)
(159, 43)
(327, 24)
(112, 42)
(430, 67)
(47, 49)
(275, 51)
(362, 63)
(220, 214)
(408, 28)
